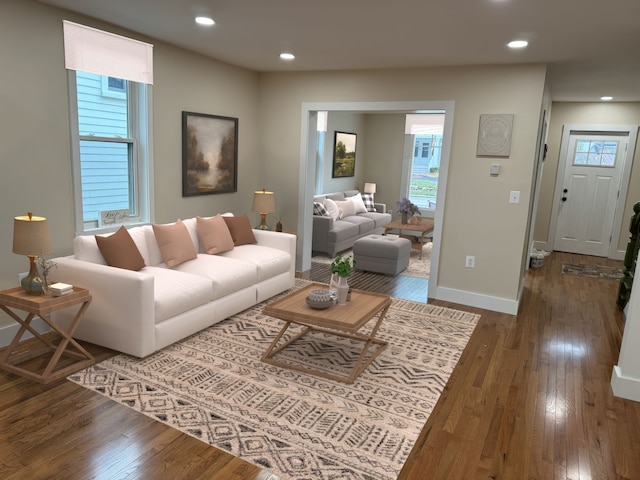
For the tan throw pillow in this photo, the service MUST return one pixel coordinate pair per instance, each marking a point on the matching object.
(214, 234)
(119, 250)
(175, 243)
(240, 229)
(346, 208)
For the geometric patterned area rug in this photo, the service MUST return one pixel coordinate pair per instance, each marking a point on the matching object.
(593, 271)
(214, 387)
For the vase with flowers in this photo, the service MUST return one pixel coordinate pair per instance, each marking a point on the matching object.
(341, 269)
(45, 267)
(407, 209)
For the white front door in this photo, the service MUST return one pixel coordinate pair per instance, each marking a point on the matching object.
(590, 189)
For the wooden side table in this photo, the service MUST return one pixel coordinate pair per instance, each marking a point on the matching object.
(16, 353)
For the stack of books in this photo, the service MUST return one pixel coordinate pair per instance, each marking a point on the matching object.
(59, 289)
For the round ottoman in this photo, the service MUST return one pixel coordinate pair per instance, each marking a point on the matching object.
(382, 254)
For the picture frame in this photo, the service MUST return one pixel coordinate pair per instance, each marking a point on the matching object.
(494, 135)
(344, 155)
(209, 154)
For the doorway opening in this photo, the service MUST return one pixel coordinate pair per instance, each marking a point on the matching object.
(308, 156)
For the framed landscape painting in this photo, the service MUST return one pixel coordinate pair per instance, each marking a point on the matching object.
(344, 155)
(209, 154)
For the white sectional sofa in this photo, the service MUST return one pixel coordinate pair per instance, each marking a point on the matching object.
(140, 312)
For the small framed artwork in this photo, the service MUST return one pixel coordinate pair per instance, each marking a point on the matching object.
(344, 155)
(209, 154)
(494, 135)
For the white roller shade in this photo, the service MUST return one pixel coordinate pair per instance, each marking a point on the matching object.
(90, 50)
(424, 124)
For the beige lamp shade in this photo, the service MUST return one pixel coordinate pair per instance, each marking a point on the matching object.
(31, 236)
(369, 188)
(264, 202)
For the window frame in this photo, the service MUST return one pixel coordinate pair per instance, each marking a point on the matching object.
(139, 113)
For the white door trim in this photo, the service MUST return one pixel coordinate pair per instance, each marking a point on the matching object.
(627, 158)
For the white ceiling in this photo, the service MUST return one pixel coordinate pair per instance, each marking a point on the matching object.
(591, 45)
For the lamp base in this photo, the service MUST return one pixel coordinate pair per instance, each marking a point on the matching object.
(263, 223)
(32, 283)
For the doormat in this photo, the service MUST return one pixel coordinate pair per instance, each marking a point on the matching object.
(593, 271)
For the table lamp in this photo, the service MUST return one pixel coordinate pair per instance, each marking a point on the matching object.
(31, 238)
(263, 202)
(369, 188)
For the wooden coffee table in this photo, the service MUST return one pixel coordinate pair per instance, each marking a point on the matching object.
(424, 227)
(340, 320)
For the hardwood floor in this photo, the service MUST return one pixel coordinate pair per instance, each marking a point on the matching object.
(529, 399)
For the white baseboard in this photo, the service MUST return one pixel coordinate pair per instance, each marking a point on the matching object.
(495, 304)
(548, 247)
(7, 332)
(625, 387)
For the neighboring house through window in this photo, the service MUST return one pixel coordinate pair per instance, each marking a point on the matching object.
(426, 137)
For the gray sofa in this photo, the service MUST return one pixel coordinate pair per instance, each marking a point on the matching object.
(331, 235)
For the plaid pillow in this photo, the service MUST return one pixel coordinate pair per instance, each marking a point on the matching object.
(319, 209)
(367, 198)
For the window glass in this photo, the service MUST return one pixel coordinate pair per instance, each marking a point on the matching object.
(110, 148)
(595, 153)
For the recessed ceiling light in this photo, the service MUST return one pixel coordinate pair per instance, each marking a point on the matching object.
(517, 44)
(606, 99)
(204, 21)
(287, 56)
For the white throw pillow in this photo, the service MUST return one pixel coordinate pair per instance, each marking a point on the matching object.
(347, 208)
(358, 203)
(332, 208)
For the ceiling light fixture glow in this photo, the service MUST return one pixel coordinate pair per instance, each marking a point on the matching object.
(287, 56)
(606, 99)
(517, 44)
(205, 21)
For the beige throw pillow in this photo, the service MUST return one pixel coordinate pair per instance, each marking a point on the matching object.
(346, 208)
(175, 243)
(214, 234)
(119, 250)
(240, 229)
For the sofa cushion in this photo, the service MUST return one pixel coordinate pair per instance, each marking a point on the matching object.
(346, 208)
(175, 243)
(214, 234)
(225, 275)
(342, 231)
(332, 208)
(380, 219)
(119, 250)
(176, 292)
(365, 225)
(240, 229)
(319, 209)
(369, 202)
(358, 203)
(269, 261)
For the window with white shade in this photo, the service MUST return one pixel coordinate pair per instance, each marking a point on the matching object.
(425, 133)
(110, 127)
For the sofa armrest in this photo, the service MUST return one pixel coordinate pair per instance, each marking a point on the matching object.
(121, 315)
(322, 225)
(279, 240)
(380, 207)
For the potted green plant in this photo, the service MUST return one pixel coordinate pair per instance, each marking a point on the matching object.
(342, 267)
